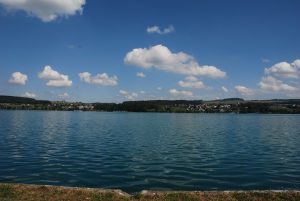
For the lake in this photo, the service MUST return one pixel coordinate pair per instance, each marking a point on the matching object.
(153, 151)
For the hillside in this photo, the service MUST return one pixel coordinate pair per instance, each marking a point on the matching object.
(21, 100)
(230, 105)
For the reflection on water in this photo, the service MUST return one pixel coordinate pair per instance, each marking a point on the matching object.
(135, 151)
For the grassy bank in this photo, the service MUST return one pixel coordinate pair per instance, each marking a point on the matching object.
(18, 192)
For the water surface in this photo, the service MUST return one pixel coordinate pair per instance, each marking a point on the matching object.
(136, 151)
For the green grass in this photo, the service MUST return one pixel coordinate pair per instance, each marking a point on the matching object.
(19, 192)
(7, 192)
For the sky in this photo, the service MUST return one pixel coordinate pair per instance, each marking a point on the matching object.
(119, 50)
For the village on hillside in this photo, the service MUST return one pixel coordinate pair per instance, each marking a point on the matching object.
(232, 105)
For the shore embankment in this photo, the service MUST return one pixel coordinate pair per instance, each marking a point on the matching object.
(22, 192)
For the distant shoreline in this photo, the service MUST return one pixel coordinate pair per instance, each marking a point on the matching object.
(12, 192)
(230, 105)
(208, 113)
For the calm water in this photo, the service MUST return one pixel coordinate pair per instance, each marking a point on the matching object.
(135, 151)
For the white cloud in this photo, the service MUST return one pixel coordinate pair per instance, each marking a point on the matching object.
(159, 88)
(244, 90)
(270, 83)
(140, 74)
(160, 57)
(224, 89)
(63, 95)
(99, 79)
(18, 78)
(191, 82)
(156, 29)
(49, 74)
(296, 63)
(55, 79)
(64, 82)
(181, 94)
(128, 95)
(29, 95)
(142, 92)
(46, 10)
(285, 69)
(191, 78)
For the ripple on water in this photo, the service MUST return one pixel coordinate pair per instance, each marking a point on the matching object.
(135, 151)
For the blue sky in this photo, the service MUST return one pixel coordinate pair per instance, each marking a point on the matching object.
(192, 49)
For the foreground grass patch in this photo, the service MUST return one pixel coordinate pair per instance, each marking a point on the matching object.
(6, 191)
(18, 192)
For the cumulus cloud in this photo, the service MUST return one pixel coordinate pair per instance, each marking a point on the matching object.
(285, 69)
(191, 82)
(181, 94)
(46, 10)
(63, 95)
(270, 83)
(191, 78)
(160, 57)
(244, 90)
(140, 74)
(55, 79)
(224, 89)
(64, 82)
(18, 78)
(49, 74)
(128, 95)
(99, 79)
(29, 95)
(156, 29)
